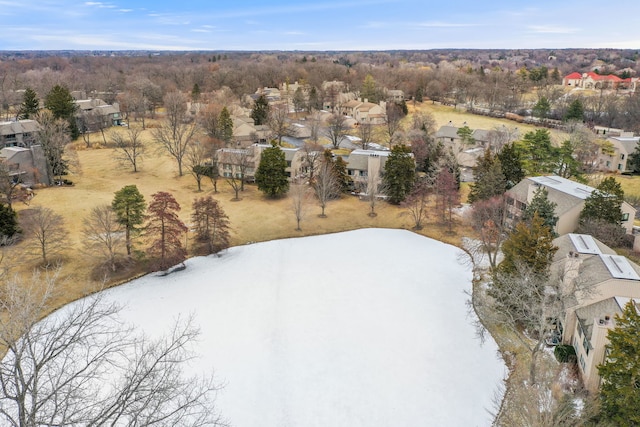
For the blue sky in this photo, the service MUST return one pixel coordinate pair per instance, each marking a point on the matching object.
(321, 25)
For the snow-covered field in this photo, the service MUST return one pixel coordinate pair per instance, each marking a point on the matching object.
(363, 328)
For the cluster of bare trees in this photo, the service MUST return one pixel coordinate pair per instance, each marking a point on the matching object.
(82, 366)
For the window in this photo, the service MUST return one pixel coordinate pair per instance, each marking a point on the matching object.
(582, 364)
(608, 164)
(621, 156)
(625, 216)
(619, 166)
(586, 345)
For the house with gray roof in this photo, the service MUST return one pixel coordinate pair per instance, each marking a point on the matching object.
(614, 158)
(26, 164)
(95, 114)
(569, 197)
(18, 133)
(598, 283)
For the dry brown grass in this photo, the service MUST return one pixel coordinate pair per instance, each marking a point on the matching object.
(443, 114)
(97, 175)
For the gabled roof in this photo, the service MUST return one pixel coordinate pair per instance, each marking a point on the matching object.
(582, 244)
(566, 194)
(359, 159)
(574, 76)
(18, 127)
(447, 132)
(608, 77)
(628, 143)
(564, 185)
(366, 106)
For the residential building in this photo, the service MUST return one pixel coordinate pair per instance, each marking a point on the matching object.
(395, 95)
(569, 197)
(236, 162)
(95, 114)
(593, 80)
(19, 133)
(26, 164)
(448, 135)
(614, 158)
(599, 283)
(362, 163)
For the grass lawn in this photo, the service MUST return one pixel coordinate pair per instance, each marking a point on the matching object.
(97, 175)
(458, 116)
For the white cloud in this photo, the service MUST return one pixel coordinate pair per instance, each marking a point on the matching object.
(549, 29)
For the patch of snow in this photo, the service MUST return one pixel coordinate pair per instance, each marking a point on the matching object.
(363, 328)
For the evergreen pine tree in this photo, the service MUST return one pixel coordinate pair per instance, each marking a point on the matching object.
(604, 203)
(489, 180)
(129, 206)
(511, 163)
(60, 102)
(400, 173)
(225, 125)
(531, 243)
(369, 90)
(620, 372)
(340, 168)
(195, 92)
(8, 222)
(260, 111)
(314, 101)
(271, 176)
(542, 108)
(575, 111)
(30, 104)
(543, 207)
(539, 156)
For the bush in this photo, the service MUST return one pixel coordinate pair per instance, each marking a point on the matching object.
(565, 353)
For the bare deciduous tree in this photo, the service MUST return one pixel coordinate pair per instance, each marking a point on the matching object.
(372, 187)
(279, 123)
(365, 133)
(197, 157)
(314, 122)
(81, 366)
(392, 121)
(130, 146)
(103, 233)
(488, 219)
(53, 135)
(211, 225)
(299, 193)
(235, 164)
(416, 204)
(177, 131)
(312, 156)
(325, 184)
(336, 129)
(46, 231)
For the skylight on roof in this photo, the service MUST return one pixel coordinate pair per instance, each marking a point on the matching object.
(619, 267)
(584, 244)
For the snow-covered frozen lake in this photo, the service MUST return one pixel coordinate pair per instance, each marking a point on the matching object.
(362, 328)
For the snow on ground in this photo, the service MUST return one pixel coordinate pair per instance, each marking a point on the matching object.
(363, 328)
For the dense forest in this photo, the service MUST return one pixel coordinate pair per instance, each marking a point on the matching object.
(497, 80)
